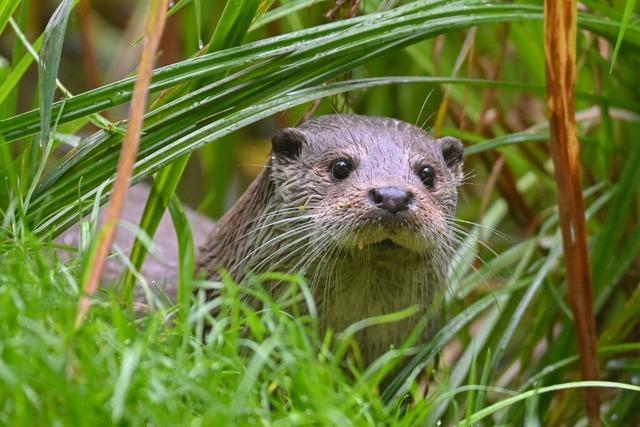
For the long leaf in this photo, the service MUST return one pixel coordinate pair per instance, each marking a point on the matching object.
(531, 393)
(388, 25)
(49, 63)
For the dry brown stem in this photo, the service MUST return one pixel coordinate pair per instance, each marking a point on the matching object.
(128, 153)
(560, 53)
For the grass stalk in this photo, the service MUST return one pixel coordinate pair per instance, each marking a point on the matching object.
(231, 29)
(128, 153)
(560, 25)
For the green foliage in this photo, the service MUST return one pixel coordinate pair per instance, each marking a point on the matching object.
(157, 369)
(468, 68)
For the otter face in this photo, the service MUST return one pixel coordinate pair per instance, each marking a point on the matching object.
(372, 183)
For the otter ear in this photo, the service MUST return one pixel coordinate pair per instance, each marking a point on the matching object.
(452, 151)
(288, 143)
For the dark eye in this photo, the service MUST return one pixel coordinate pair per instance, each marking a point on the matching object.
(341, 168)
(427, 175)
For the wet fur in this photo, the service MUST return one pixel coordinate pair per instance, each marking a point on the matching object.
(296, 217)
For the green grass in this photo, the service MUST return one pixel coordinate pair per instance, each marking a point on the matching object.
(504, 347)
(250, 367)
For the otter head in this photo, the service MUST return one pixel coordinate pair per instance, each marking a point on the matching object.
(369, 183)
(363, 207)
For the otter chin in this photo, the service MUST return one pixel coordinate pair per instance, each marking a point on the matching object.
(403, 241)
(386, 244)
(362, 207)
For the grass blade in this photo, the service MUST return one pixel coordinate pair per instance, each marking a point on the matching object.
(162, 191)
(626, 18)
(48, 65)
(530, 393)
(233, 24)
(282, 11)
(625, 194)
(400, 383)
(7, 7)
(186, 256)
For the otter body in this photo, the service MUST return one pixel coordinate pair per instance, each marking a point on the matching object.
(362, 207)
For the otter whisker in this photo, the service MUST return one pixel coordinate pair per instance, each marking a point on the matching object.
(269, 225)
(272, 214)
(462, 239)
(275, 240)
(458, 221)
(296, 244)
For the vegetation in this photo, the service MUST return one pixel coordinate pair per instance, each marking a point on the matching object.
(505, 352)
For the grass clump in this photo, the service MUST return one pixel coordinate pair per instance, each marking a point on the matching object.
(244, 367)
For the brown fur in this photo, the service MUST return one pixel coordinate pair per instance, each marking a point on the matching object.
(360, 260)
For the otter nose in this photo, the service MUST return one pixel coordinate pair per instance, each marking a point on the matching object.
(392, 199)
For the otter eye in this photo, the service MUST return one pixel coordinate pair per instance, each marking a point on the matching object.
(427, 175)
(341, 168)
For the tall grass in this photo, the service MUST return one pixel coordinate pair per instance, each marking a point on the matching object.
(506, 350)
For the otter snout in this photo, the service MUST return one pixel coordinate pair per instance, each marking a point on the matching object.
(391, 199)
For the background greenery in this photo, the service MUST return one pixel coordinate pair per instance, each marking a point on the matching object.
(473, 69)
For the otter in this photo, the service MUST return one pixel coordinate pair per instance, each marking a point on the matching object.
(362, 207)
